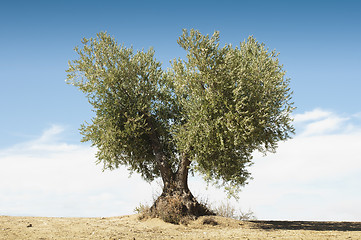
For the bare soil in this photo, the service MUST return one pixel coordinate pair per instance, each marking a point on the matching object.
(130, 227)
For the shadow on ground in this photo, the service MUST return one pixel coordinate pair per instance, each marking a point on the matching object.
(306, 225)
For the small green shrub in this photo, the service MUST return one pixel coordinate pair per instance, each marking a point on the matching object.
(141, 209)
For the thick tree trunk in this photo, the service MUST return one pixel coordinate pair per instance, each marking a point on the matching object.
(176, 200)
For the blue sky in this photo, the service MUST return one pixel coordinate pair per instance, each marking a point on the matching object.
(45, 169)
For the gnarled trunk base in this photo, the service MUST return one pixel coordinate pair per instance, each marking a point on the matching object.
(175, 204)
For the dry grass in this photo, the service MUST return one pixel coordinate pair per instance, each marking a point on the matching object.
(226, 209)
(130, 227)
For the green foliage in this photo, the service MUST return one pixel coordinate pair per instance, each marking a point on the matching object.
(127, 91)
(236, 101)
(217, 107)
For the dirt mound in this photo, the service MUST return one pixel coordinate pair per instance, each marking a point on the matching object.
(130, 227)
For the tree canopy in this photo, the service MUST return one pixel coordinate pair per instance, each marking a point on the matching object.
(207, 113)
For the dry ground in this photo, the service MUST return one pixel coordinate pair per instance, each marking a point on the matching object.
(130, 227)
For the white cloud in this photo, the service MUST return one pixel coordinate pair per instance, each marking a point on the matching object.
(313, 115)
(50, 134)
(320, 122)
(47, 177)
(315, 176)
(326, 125)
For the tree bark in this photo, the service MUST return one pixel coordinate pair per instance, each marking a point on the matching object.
(161, 160)
(182, 173)
(176, 198)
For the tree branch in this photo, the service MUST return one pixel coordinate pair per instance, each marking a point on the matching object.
(161, 159)
(182, 172)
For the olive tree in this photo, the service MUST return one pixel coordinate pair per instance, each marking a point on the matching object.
(206, 114)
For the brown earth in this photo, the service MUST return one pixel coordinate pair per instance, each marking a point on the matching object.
(130, 227)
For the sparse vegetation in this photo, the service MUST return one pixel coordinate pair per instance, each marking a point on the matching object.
(170, 210)
(226, 209)
(246, 216)
(141, 209)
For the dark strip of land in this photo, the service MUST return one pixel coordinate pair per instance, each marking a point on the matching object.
(308, 225)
